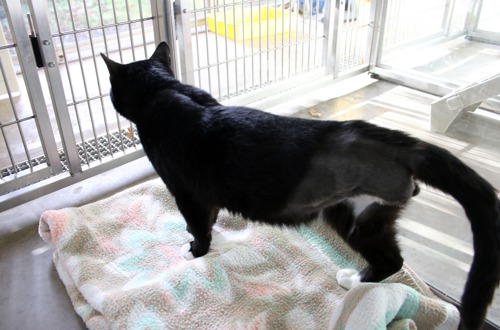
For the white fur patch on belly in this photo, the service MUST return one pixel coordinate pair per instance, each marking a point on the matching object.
(361, 202)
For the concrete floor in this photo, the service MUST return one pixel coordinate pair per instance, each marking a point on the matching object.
(32, 295)
(434, 232)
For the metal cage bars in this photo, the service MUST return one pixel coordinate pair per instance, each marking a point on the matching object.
(78, 104)
(44, 133)
(230, 48)
(91, 113)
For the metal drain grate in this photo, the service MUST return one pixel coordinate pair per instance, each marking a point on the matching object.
(102, 147)
(89, 151)
(23, 166)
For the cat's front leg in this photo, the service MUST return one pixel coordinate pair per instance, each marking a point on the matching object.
(200, 219)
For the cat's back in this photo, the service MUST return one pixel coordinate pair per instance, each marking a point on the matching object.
(257, 125)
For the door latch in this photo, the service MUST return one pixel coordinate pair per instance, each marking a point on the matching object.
(34, 44)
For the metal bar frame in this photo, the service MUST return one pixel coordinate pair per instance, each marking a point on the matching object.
(378, 12)
(333, 25)
(63, 180)
(446, 109)
(165, 29)
(250, 66)
(473, 17)
(17, 122)
(182, 19)
(408, 78)
(39, 11)
(35, 94)
(329, 43)
(24, 183)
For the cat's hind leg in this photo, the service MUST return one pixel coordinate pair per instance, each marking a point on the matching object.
(200, 219)
(372, 233)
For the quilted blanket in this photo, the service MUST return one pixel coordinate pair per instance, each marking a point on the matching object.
(122, 261)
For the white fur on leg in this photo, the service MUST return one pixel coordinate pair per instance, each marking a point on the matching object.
(186, 250)
(348, 278)
(361, 202)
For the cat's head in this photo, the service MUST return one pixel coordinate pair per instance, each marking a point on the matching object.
(133, 84)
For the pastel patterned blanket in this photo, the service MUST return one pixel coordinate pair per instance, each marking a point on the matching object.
(122, 260)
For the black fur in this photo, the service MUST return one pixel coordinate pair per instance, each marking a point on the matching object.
(286, 171)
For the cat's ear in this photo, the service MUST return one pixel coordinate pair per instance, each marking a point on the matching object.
(162, 54)
(113, 67)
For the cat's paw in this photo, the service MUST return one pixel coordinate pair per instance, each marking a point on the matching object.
(186, 251)
(348, 278)
(199, 248)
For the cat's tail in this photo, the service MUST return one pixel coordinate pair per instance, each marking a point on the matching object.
(440, 169)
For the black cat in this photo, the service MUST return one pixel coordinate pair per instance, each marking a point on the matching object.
(287, 171)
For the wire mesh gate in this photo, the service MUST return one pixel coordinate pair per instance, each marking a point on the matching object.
(58, 121)
(233, 47)
(256, 43)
